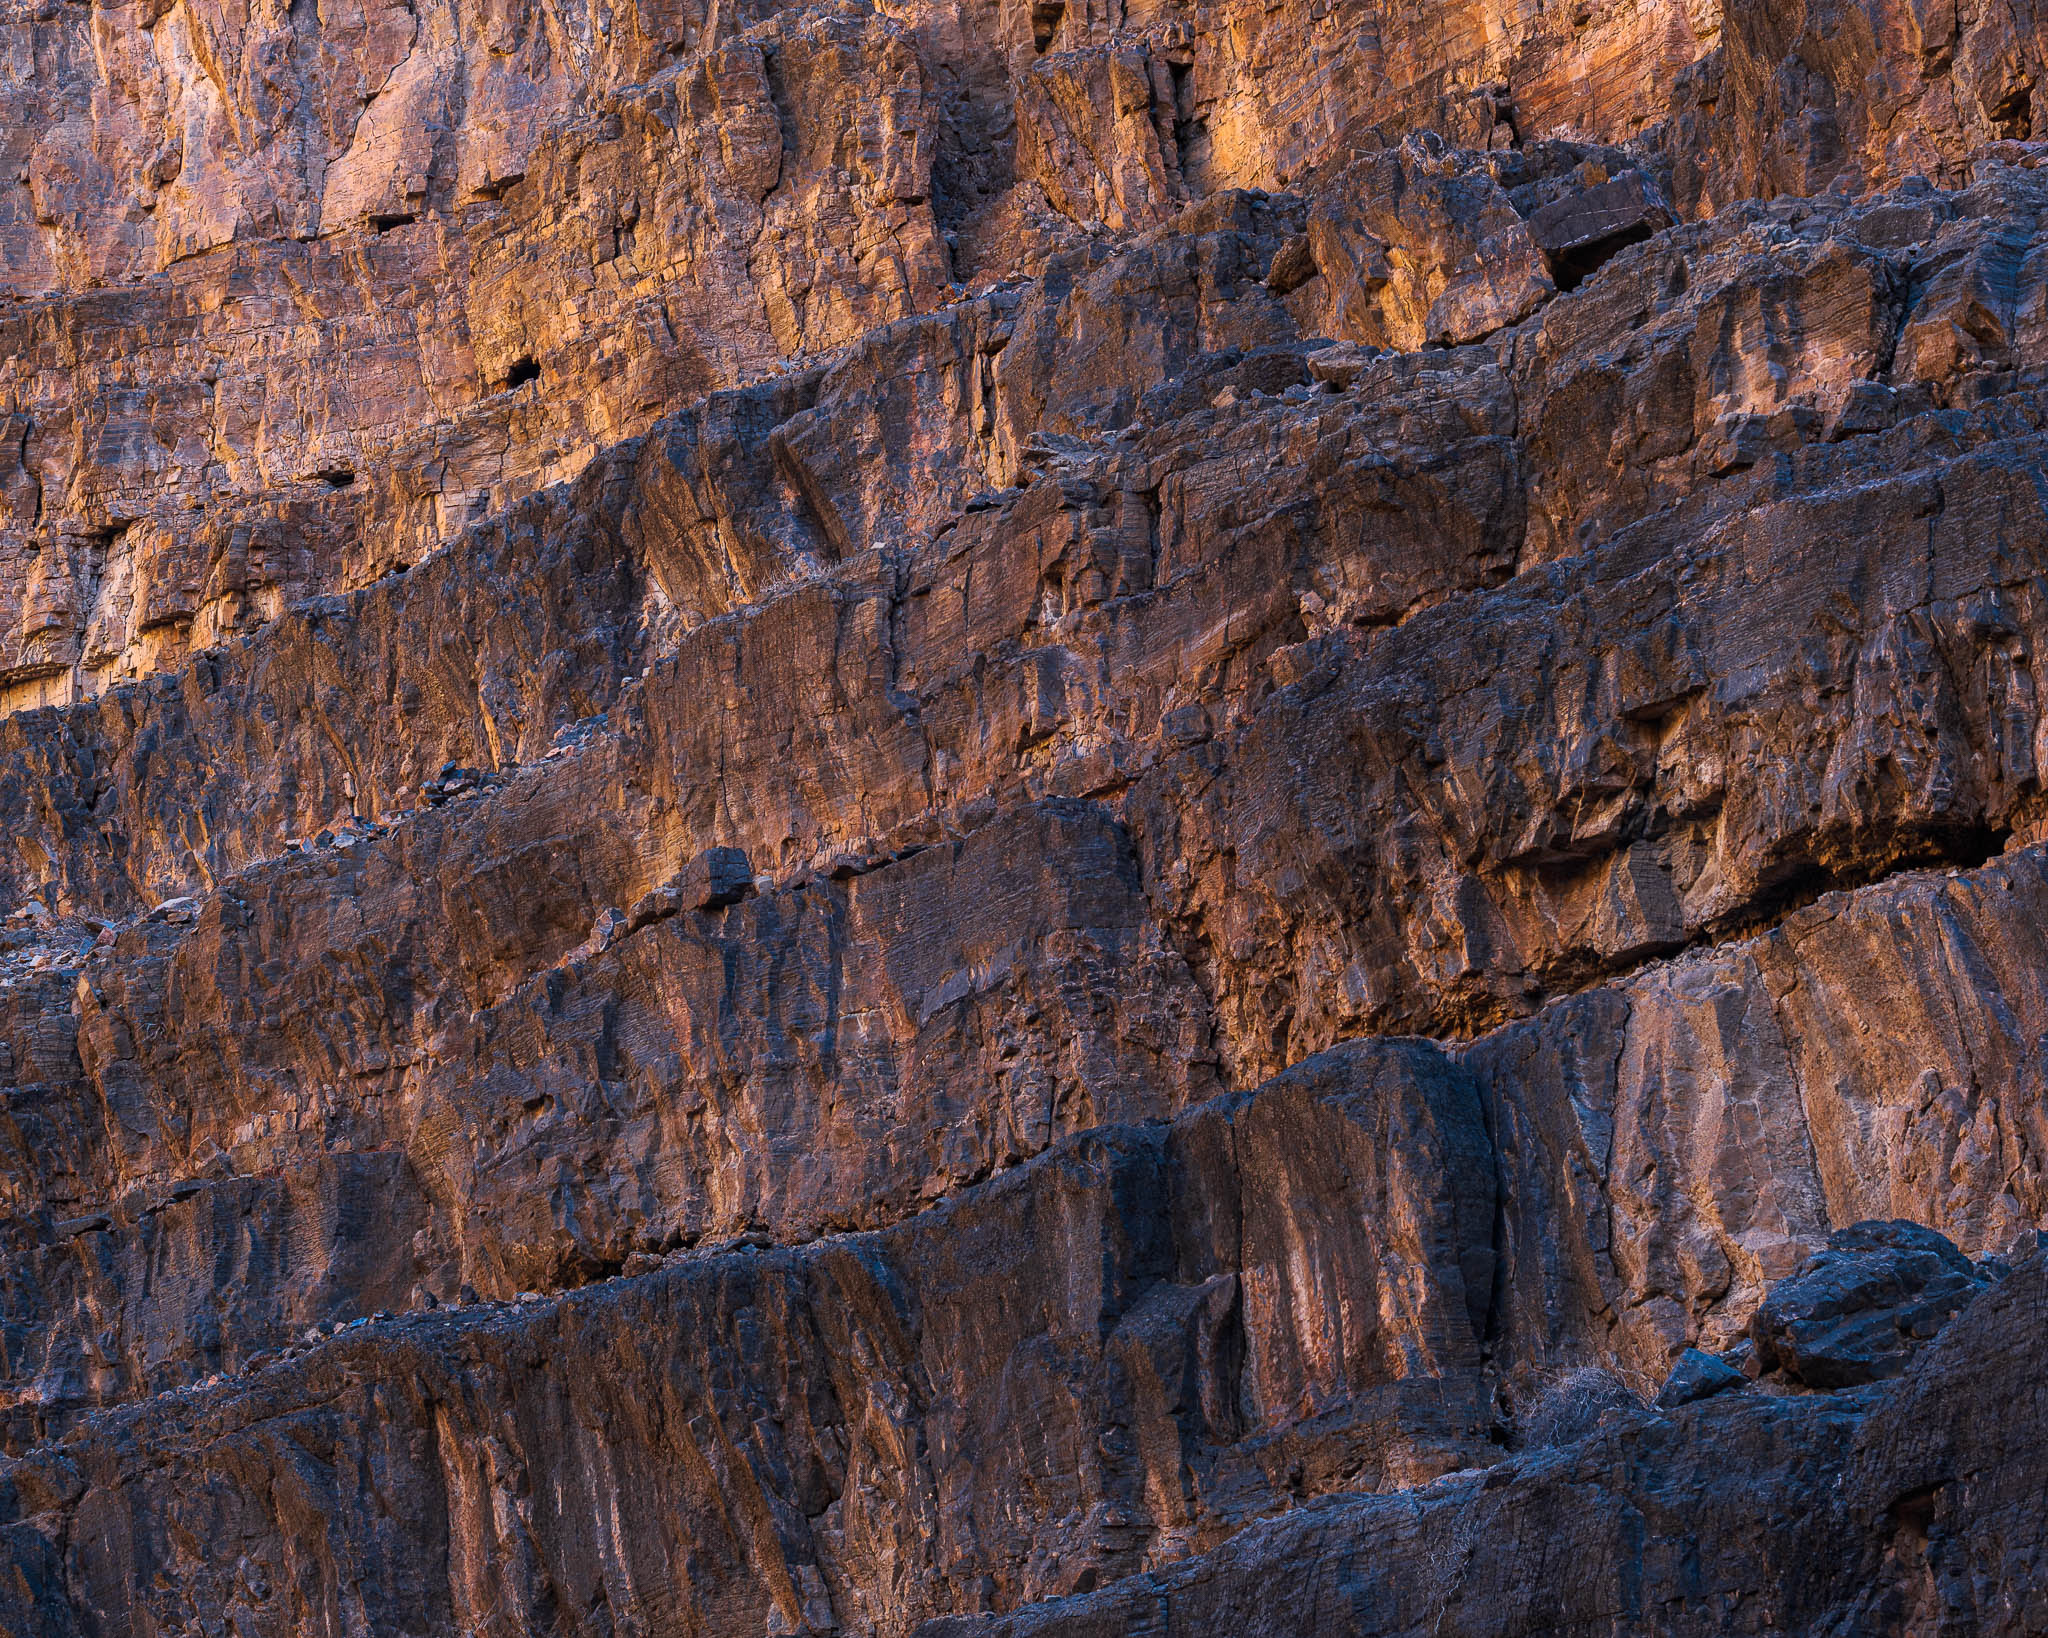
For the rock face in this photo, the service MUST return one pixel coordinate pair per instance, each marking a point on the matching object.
(1013, 819)
(1902, 1508)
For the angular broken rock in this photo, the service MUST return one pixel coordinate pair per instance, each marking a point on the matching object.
(717, 877)
(1294, 264)
(1342, 364)
(883, 445)
(1696, 1376)
(1580, 231)
(1418, 246)
(714, 879)
(1087, 134)
(1857, 1311)
(1806, 1513)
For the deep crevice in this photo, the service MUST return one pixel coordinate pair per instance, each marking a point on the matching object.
(1572, 267)
(1190, 133)
(1969, 847)
(1046, 17)
(2013, 117)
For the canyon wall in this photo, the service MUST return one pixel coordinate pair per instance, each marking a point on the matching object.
(1024, 818)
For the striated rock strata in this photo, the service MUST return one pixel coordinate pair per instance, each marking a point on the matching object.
(1022, 819)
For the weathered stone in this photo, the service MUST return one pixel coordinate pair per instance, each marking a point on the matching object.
(1697, 1376)
(1177, 1374)
(1089, 135)
(1419, 246)
(1857, 1311)
(1581, 231)
(766, 709)
(1673, 1145)
(717, 877)
(1828, 1512)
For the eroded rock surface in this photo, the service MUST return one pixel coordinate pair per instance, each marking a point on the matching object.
(1888, 1510)
(1857, 1311)
(1056, 818)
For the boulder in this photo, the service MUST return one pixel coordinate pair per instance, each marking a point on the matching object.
(1697, 1376)
(1582, 230)
(1858, 1311)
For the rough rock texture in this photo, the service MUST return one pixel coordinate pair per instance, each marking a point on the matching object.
(1053, 818)
(1906, 1508)
(1856, 1312)
(1191, 1373)
(1697, 1376)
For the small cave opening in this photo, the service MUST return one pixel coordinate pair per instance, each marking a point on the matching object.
(1572, 267)
(1046, 17)
(523, 370)
(384, 224)
(1913, 1513)
(336, 477)
(2013, 117)
(496, 187)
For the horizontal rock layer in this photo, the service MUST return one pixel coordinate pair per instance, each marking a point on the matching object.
(1879, 1511)
(819, 819)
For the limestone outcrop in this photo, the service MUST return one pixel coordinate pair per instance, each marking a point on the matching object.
(1058, 818)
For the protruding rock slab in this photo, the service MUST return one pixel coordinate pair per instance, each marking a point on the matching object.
(1848, 1512)
(1858, 1311)
(1122, 1351)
